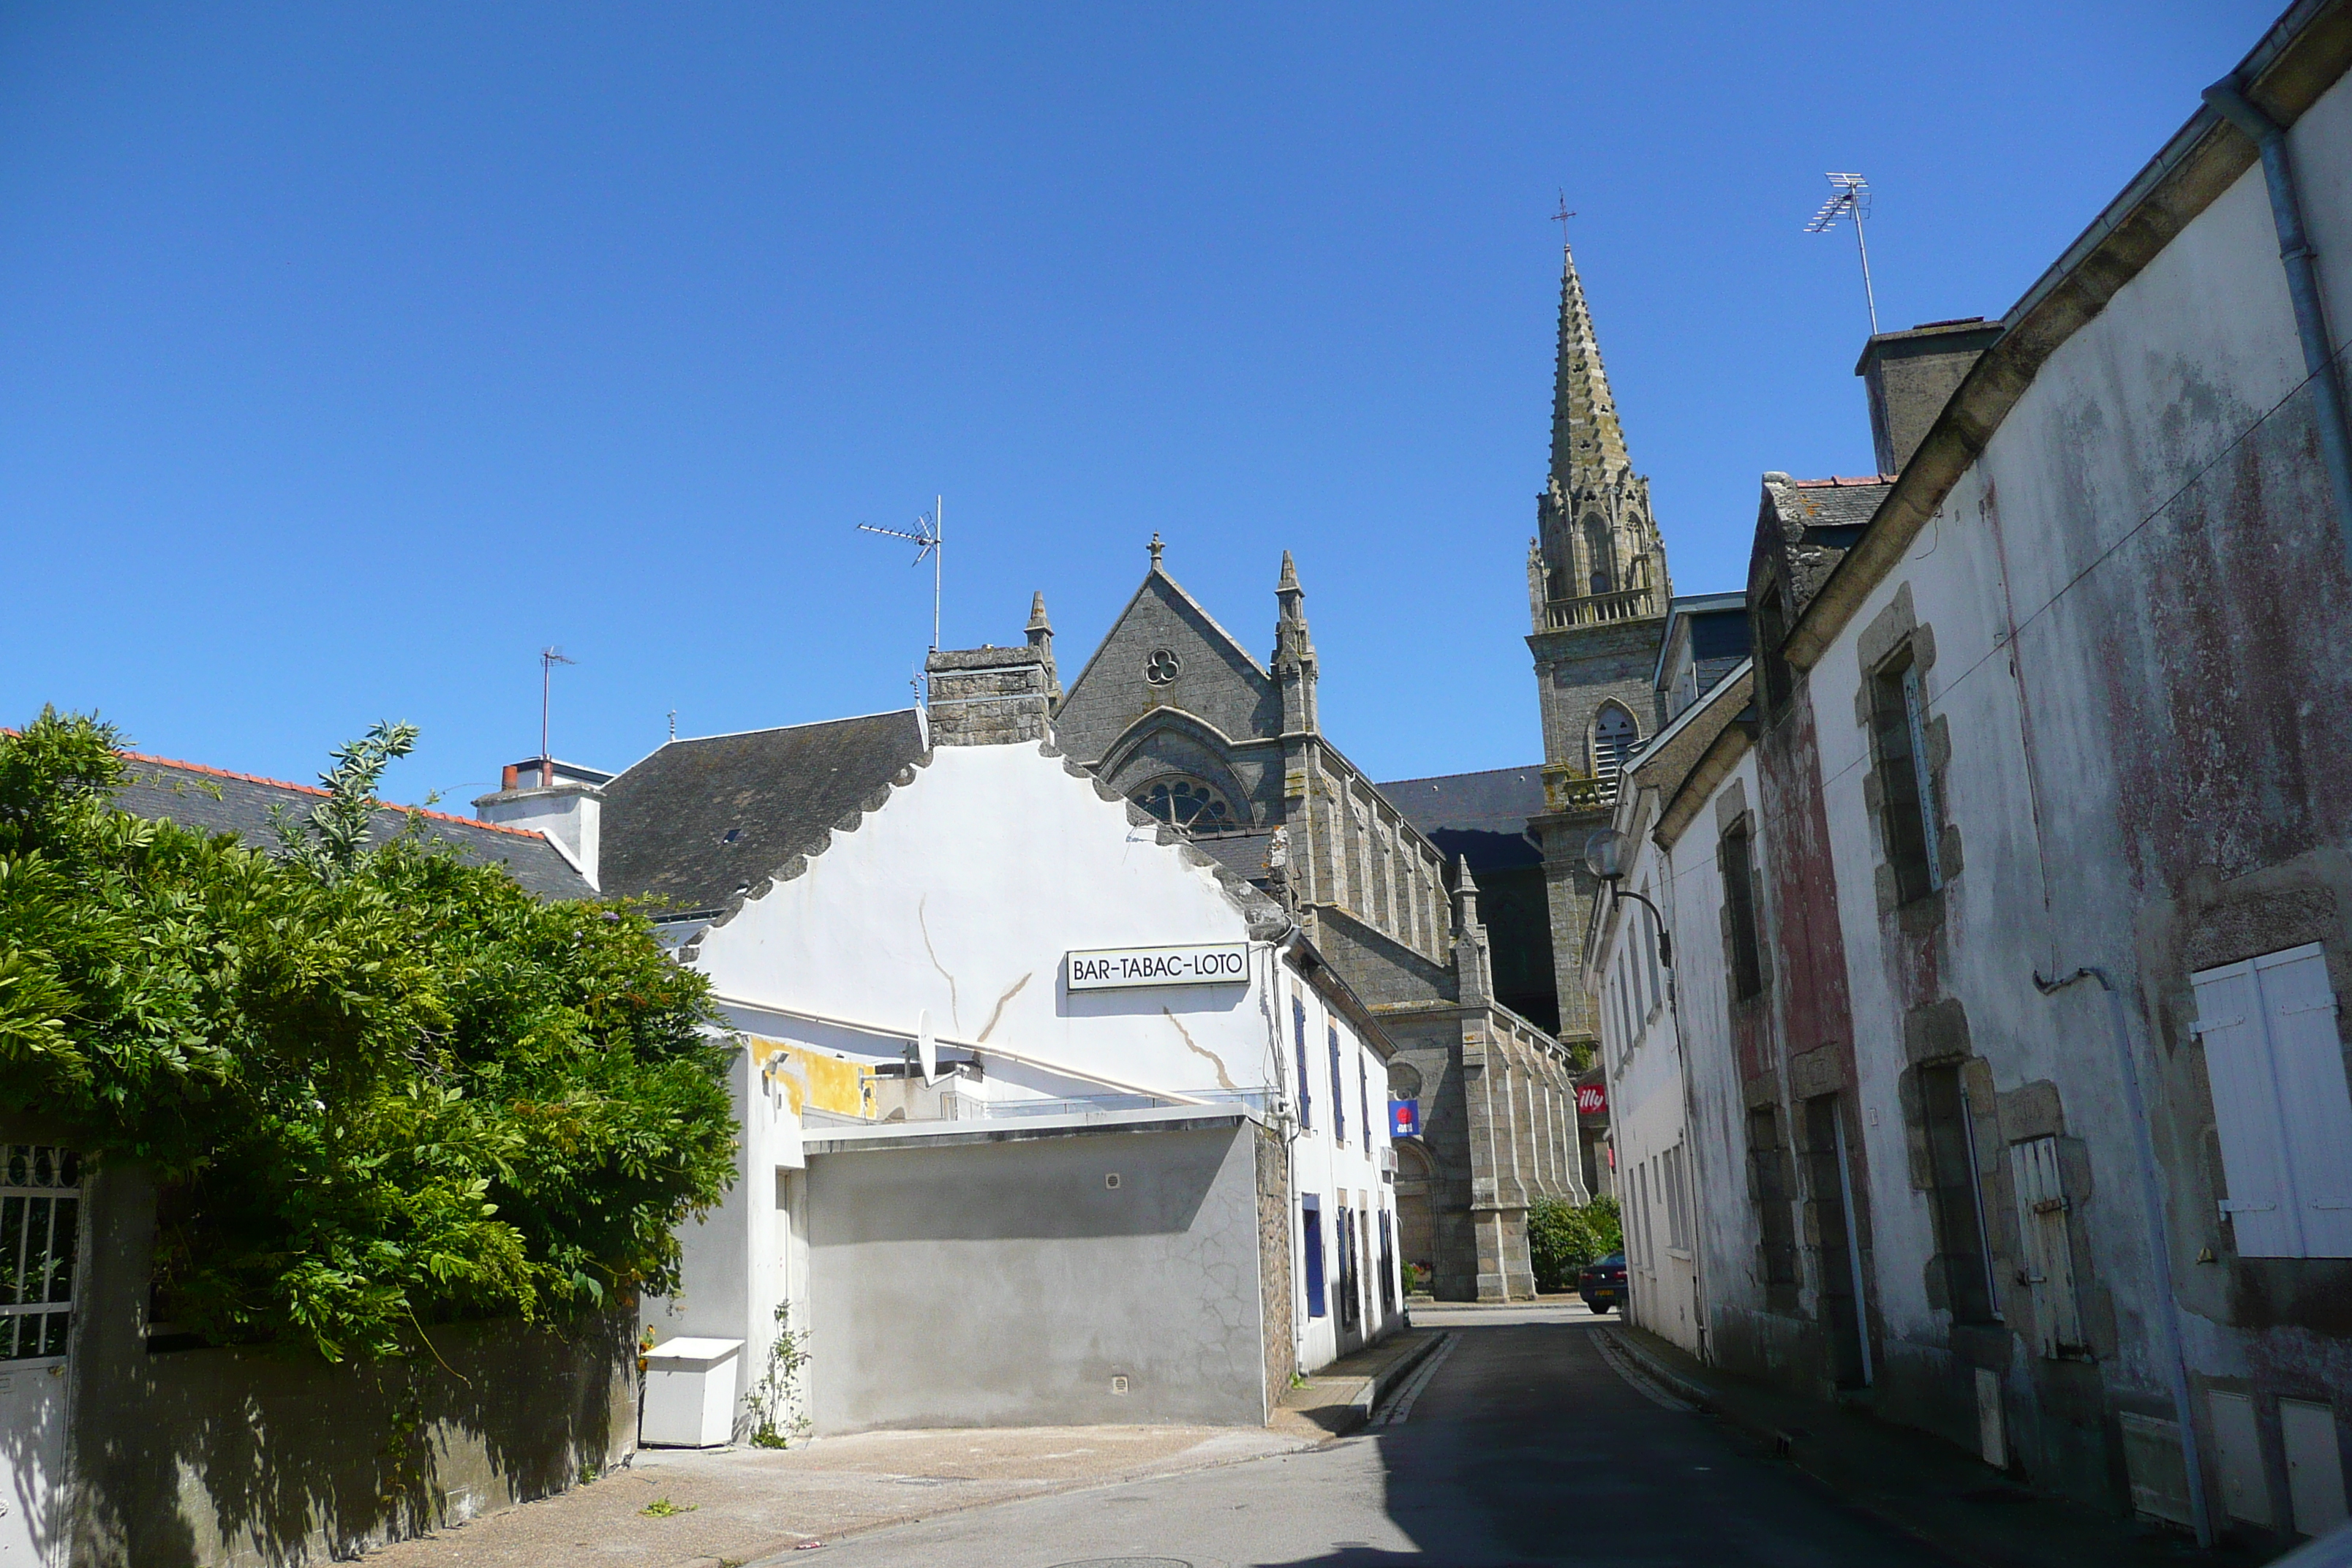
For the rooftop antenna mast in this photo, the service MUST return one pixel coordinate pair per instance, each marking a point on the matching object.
(1850, 198)
(927, 541)
(549, 658)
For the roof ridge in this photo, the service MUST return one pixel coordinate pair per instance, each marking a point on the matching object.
(1472, 773)
(314, 789)
(1843, 479)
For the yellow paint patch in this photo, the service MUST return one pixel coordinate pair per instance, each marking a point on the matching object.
(812, 1078)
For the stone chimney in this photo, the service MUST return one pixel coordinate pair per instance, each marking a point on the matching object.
(1911, 375)
(989, 696)
(564, 802)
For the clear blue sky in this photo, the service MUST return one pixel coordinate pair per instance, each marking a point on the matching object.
(349, 353)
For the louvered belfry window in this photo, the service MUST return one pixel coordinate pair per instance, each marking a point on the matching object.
(1613, 735)
(40, 1214)
(2281, 1108)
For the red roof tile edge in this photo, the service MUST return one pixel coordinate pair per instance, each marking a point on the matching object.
(314, 789)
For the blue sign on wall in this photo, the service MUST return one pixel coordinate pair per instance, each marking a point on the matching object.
(1404, 1119)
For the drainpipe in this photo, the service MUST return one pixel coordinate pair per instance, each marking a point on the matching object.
(2296, 256)
(2159, 1246)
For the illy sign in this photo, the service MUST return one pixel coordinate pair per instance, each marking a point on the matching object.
(1591, 1100)
(1118, 968)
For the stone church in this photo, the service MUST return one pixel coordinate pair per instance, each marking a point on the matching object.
(1177, 715)
(1455, 906)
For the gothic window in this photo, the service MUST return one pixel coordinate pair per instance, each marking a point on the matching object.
(1598, 554)
(1162, 666)
(1613, 734)
(1188, 804)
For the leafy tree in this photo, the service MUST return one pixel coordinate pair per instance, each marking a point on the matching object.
(329, 843)
(1564, 1237)
(384, 1088)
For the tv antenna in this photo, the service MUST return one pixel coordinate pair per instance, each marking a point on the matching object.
(1850, 198)
(549, 658)
(927, 541)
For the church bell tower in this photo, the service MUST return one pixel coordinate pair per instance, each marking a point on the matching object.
(1597, 591)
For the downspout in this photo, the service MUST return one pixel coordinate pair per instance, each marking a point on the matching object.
(2297, 258)
(2160, 1246)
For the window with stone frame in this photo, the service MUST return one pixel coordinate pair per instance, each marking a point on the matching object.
(1955, 1193)
(1907, 786)
(1767, 1163)
(1734, 858)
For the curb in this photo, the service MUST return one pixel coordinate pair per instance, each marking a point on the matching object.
(1377, 1387)
(1782, 1443)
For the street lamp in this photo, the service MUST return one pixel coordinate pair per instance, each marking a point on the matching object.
(1604, 857)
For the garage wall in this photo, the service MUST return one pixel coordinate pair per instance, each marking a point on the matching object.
(1002, 1282)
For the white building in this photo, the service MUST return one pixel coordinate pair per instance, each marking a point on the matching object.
(1635, 979)
(1047, 1117)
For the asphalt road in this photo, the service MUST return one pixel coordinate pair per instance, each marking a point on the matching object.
(1524, 1446)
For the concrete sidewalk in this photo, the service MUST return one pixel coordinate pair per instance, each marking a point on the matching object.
(1918, 1483)
(1343, 1395)
(727, 1506)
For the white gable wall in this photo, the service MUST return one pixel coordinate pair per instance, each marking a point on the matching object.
(961, 896)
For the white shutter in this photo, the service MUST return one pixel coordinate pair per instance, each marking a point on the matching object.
(2046, 1251)
(2246, 1114)
(2315, 1102)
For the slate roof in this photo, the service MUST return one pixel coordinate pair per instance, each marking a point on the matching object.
(700, 820)
(1482, 817)
(213, 800)
(1818, 521)
(1245, 855)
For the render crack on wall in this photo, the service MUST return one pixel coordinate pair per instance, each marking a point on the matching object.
(996, 1016)
(1216, 1061)
(955, 1017)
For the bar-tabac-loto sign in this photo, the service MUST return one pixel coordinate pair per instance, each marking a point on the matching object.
(1117, 968)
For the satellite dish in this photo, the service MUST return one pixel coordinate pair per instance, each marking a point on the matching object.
(926, 1051)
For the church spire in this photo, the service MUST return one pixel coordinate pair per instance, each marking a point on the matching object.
(1587, 442)
(1597, 557)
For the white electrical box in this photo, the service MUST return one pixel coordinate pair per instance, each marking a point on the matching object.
(689, 1394)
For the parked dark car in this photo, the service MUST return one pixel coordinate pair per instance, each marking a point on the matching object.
(1602, 1283)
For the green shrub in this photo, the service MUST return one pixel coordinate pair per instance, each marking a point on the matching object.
(383, 1087)
(1564, 1237)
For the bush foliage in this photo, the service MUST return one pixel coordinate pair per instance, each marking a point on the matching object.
(384, 1088)
(1564, 1237)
